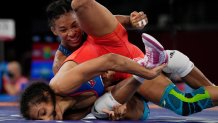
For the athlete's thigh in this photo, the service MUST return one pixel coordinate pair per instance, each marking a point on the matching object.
(94, 18)
(197, 79)
(152, 90)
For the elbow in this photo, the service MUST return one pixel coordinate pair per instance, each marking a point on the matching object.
(56, 87)
(108, 59)
(113, 61)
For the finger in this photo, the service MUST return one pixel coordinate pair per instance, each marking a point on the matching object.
(141, 13)
(115, 107)
(159, 68)
(137, 17)
(134, 13)
(162, 66)
(117, 111)
(113, 116)
(110, 113)
(106, 111)
(141, 17)
(120, 111)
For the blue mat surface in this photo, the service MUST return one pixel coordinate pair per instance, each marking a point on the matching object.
(7, 98)
(10, 114)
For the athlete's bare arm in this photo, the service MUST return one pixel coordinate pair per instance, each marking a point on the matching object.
(132, 110)
(67, 80)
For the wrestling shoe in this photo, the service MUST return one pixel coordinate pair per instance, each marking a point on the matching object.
(155, 53)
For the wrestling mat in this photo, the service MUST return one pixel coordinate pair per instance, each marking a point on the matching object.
(9, 113)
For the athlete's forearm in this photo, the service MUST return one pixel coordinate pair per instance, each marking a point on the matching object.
(124, 20)
(66, 81)
(123, 64)
(115, 62)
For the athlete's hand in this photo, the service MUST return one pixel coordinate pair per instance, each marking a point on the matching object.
(110, 113)
(138, 20)
(154, 72)
(118, 112)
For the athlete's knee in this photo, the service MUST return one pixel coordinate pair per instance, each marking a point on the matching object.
(172, 102)
(80, 4)
(178, 63)
(185, 103)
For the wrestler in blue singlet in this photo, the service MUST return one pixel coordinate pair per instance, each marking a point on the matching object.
(95, 85)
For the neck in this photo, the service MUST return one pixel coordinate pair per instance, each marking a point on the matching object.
(70, 48)
(65, 102)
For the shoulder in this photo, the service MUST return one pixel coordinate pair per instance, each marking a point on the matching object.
(59, 56)
(58, 60)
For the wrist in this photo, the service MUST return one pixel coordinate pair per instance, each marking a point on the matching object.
(128, 21)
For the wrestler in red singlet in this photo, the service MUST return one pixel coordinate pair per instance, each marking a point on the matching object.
(115, 42)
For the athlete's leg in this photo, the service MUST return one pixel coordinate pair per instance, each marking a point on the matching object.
(178, 63)
(186, 103)
(197, 79)
(120, 94)
(123, 91)
(164, 93)
(152, 90)
(94, 18)
(181, 65)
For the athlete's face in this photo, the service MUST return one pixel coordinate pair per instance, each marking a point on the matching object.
(45, 111)
(67, 28)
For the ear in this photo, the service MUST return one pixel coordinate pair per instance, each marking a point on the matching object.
(54, 31)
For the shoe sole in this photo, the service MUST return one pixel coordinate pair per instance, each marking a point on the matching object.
(152, 42)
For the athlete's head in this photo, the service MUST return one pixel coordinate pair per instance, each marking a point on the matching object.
(63, 23)
(14, 71)
(38, 102)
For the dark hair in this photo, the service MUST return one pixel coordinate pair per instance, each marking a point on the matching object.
(56, 9)
(35, 93)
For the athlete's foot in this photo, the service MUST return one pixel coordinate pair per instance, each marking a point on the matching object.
(155, 54)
